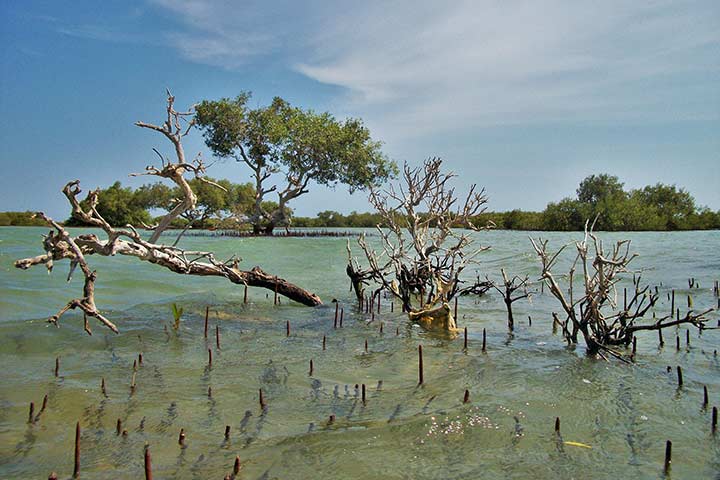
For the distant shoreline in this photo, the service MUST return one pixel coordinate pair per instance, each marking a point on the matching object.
(351, 232)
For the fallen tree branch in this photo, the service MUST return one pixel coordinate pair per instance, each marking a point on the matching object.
(59, 245)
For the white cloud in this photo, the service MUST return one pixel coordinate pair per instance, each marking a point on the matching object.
(412, 67)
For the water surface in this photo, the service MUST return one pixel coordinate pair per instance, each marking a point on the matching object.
(517, 388)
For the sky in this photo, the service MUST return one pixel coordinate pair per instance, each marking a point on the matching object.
(524, 98)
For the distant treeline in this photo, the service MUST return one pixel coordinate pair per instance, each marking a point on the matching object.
(655, 207)
(20, 219)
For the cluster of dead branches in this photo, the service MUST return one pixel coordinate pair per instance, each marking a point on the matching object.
(425, 244)
(59, 244)
(594, 312)
(507, 289)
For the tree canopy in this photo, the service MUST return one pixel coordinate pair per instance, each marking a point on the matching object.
(283, 143)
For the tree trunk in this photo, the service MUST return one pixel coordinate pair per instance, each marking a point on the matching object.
(186, 263)
(511, 320)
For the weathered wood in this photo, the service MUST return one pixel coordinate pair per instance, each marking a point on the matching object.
(261, 400)
(420, 366)
(507, 290)
(705, 397)
(148, 464)
(422, 254)
(59, 244)
(76, 468)
(207, 314)
(601, 327)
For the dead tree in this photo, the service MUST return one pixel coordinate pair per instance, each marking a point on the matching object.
(507, 290)
(477, 287)
(359, 277)
(59, 244)
(595, 312)
(425, 244)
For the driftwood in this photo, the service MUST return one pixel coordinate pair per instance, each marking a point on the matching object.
(423, 252)
(60, 245)
(595, 313)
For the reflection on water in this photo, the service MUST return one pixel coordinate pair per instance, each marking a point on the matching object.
(624, 413)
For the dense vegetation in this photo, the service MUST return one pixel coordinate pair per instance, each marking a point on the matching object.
(654, 207)
(224, 207)
(286, 147)
(20, 219)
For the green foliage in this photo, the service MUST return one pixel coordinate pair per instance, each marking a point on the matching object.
(330, 218)
(177, 313)
(657, 207)
(225, 124)
(122, 205)
(301, 144)
(598, 188)
(156, 196)
(330, 151)
(654, 207)
(119, 206)
(20, 219)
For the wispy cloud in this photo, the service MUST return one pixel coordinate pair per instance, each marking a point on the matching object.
(101, 32)
(421, 65)
(228, 34)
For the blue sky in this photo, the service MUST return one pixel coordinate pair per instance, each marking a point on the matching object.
(524, 98)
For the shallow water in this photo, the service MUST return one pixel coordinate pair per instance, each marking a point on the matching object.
(625, 413)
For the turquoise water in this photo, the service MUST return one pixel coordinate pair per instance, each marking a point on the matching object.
(625, 413)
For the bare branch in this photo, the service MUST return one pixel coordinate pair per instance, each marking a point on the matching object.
(596, 313)
(424, 250)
